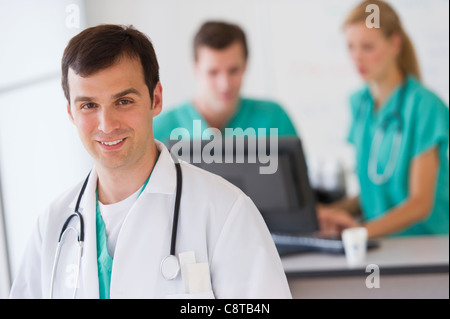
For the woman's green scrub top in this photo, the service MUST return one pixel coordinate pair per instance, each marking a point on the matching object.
(425, 125)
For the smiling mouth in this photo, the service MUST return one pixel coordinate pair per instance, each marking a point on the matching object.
(112, 142)
(112, 145)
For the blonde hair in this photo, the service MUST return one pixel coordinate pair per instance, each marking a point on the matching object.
(390, 24)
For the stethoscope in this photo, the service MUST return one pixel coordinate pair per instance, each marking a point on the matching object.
(372, 171)
(170, 266)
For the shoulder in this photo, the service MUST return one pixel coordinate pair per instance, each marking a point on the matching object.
(266, 114)
(265, 109)
(166, 121)
(357, 99)
(213, 192)
(173, 112)
(422, 97)
(218, 202)
(58, 207)
(66, 198)
(262, 105)
(208, 182)
(357, 96)
(423, 106)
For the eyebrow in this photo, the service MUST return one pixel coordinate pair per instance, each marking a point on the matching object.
(127, 91)
(113, 97)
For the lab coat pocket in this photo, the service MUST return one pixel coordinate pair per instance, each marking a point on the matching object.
(198, 278)
(200, 295)
(197, 282)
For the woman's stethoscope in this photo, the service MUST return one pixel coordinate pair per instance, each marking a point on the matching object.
(377, 140)
(170, 266)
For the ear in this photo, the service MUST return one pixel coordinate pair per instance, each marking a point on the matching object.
(397, 43)
(157, 99)
(195, 67)
(245, 65)
(69, 112)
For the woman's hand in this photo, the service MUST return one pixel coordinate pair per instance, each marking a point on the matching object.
(334, 220)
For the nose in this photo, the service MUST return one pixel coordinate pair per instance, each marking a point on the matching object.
(108, 120)
(356, 55)
(224, 82)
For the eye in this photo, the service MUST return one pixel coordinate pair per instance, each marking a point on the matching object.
(124, 102)
(367, 47)
(87, 106)
(234, 71)
(212, 73)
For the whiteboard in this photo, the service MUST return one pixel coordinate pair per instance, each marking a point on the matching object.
(298, 56)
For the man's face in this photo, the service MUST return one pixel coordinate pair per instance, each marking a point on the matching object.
(220, 74)
(113, 113)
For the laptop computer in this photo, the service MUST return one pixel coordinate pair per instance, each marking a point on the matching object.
(273, 173)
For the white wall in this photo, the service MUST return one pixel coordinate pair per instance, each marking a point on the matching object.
(297, 55)
(40, 154)
(5, 273)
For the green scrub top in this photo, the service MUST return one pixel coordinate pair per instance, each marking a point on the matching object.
(104, 260)
(425, 125)
(250, 113)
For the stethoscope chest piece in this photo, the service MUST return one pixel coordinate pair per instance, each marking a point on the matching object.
(170, 267)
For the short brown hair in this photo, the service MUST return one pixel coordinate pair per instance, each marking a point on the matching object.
(99, 47)
(219, 35)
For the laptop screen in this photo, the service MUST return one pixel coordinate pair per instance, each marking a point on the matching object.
(283, 196)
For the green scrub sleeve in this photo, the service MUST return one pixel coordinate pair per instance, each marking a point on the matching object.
(432, 126)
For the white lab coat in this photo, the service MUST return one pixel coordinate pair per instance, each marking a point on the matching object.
(217, 221)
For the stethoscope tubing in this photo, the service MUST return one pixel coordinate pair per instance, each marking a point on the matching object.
(176, 211)
(80, 234)
(377, 140)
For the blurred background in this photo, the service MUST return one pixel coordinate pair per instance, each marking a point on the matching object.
(298, 57)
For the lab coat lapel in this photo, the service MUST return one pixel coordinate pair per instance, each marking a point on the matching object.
(163, 179)
(88, 283)
(138, 250)
(144, 238)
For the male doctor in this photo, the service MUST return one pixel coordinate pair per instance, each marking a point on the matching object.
(111, 82)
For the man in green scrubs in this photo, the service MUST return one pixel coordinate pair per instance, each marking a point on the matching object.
(220, 53)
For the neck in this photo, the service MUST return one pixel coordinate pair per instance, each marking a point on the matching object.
(382, 88)
(116, 184)
(215, 117)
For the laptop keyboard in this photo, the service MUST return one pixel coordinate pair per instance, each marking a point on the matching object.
(291, 243)
(295, 243)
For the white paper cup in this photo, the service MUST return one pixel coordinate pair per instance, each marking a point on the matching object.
(355, 245)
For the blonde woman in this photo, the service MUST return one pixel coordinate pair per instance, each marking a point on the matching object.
(400, 131)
